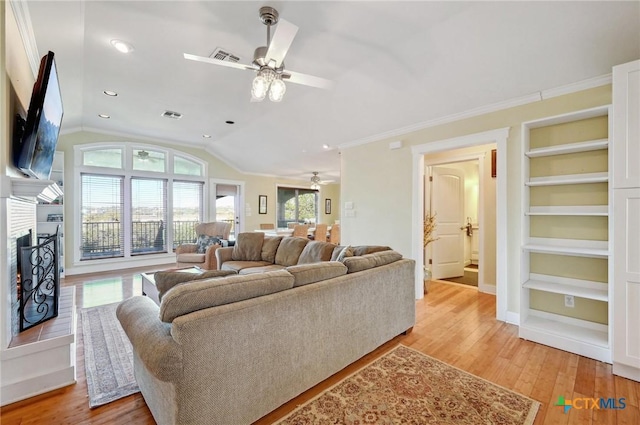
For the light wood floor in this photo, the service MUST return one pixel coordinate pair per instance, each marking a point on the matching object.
(454, 324)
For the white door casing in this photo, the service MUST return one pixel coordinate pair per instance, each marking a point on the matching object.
(447, 202)
(236, 186)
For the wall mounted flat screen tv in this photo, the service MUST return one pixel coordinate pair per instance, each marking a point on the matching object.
(34, 153)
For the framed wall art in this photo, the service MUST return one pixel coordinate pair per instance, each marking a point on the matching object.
(262, 204)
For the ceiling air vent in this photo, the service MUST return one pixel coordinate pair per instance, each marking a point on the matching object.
(224, 55)
(172, 114)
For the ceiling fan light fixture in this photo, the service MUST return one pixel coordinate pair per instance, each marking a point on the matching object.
(277, 90)
(122, 46)
(262, 82)
(315, 181)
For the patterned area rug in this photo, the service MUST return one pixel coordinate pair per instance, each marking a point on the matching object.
(108, 356)
(406, 386)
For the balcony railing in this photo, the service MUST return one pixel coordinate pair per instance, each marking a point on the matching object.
(105, 238)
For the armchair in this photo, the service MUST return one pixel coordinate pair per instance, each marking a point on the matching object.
(202, 254)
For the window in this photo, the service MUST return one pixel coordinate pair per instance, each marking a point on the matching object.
(101, 216)
(186, 166)
(148, 215)
(296, 205)
(109, 157)
(187, 211)
(130, 205)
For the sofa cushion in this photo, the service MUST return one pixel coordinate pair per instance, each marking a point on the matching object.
(205, 241)
(261, 269)
(201, 294)
(341, 252)
(305, 274)
(368, 249)
(316, 251)
(167, 280)
(269, 248)
(248, 247)
(190, 258)
(240, 265)
(289, 250)
(359, 263)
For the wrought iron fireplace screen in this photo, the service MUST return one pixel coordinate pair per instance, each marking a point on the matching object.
(40, 281)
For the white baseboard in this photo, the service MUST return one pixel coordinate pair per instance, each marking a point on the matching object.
(487, 289)
(513, 318)
(625, 371)
(37, 385)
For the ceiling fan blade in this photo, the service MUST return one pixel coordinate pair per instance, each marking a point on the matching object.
(281, 41)
(219, 62)
(307, 80)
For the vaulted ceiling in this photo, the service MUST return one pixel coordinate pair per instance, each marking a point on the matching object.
(393, 64)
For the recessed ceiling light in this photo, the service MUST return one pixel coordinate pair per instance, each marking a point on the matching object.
(206, 136)
(110, 93)
(122, 46)
(325, 146)
(230, 122)
(105, 116)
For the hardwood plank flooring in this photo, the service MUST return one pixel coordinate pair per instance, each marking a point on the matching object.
(454, 324)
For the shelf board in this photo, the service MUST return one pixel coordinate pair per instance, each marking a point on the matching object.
(586, 210)
(572, 247)
(567, 330)
(568, 179)
(592, 145)
(580, 288)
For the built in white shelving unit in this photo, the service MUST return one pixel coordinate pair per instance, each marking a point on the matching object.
(50, 212)
(544, 314)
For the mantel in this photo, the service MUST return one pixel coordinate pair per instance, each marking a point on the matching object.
(47, 190)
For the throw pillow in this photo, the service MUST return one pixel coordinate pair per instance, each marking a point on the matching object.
(248, 247)
(316, 251)
(368, 249)
(167, 280)
(341, 252)
(269, 248)
(204, 242)
(289, 251)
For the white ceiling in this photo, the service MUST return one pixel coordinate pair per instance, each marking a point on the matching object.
(393, 64)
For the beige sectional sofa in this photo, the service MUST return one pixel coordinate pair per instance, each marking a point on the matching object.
(230, 349)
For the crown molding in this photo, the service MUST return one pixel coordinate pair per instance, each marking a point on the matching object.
(20, 11)
(589, 83)
(493, 107)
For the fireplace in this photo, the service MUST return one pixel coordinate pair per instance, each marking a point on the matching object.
(38, 279)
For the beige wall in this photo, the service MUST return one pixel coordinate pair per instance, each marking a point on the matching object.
(379, 181)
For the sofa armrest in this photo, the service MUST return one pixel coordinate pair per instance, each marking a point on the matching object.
(151, 339)
(186, 248)
(222, 255)
(210, 261)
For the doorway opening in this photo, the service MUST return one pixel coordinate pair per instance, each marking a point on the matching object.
(227, 199)
(499, 138)
(452, 194)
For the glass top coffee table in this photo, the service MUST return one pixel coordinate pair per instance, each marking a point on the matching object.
(149, 282)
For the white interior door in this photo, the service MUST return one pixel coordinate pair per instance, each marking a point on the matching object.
(227, 199)
(447, 202)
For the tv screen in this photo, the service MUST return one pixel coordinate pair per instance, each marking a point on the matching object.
(42, 127)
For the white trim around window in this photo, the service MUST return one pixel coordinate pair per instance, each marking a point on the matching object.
(126, 170)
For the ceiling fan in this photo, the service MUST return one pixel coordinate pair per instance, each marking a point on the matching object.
(268, 61)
